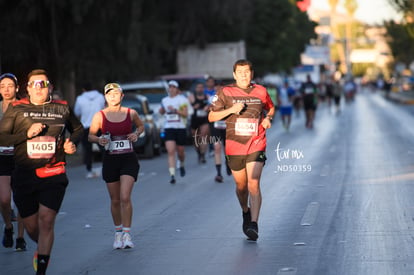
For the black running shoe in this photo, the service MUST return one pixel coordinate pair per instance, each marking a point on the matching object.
(172, 180)
(252, 231)
(247, 218)
(8, 237)
(182, 171)
(20, 244)
(218, 178)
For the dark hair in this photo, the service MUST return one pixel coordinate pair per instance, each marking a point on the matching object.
(9, 76)
(37, 72)
(242, 62)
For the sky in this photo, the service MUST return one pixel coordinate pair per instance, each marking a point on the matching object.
(369, 11)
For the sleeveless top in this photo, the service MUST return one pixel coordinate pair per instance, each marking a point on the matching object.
(202, 102)
(120, 128)
(200, 113)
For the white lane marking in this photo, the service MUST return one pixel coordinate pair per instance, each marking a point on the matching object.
(311, 212)
(299, 244)
(287, 271)
(325, 170)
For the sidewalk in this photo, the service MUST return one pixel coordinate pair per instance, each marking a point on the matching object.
(402, 97)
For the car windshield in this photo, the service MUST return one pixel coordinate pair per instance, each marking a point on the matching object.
(133, 103)
(154, 95)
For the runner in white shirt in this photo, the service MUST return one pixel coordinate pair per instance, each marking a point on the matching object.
(175, 109)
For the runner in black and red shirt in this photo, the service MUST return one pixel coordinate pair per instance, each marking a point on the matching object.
(248, 111)
(36, 127)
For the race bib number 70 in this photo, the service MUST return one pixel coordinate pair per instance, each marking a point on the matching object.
(120, 145)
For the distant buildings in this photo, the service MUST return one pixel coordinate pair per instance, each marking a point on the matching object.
(348, 45)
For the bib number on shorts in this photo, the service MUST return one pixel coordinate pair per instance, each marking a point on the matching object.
(6, 150)
(201, 113)
(221, 124)
(247, 126)
(173, 118)
(43, 147)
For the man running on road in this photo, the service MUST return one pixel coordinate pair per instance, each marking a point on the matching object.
(36, 127)
(248, 111)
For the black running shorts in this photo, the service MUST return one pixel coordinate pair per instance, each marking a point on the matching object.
(309, 103)
(177, 135)
(114, 166)
(238, 162)
(29, 191)
(6, 165)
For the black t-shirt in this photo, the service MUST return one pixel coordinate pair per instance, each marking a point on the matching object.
(47, 147)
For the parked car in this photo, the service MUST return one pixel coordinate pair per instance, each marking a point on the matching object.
(149, 142)
(154, 91)
(187, 82)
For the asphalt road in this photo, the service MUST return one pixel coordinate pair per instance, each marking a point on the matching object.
(337, 199)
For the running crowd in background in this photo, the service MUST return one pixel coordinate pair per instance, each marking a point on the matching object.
(32, 149)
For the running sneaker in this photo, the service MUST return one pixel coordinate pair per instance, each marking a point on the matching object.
(35, 264)
(127, 241)
(218, 178)
(182, 171)
(172, 180)
(118, 240)
(247, 218)
(8, 237)
(20, 244)
(252, 231)
(91, 175)
(202, 159)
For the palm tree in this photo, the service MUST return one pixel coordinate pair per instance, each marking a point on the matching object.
(337, 37)
(350, 7)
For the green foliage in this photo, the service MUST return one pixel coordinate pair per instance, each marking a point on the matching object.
(401, 41)
(277, 36)
(125, 40)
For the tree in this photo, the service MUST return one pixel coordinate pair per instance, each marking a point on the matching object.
(273, 42)
(401, 42)
(125, 40)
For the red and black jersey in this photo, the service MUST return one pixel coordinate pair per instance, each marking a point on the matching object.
(244, 133)
(47, 147)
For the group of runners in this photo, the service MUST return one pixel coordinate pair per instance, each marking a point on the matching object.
(36, 133)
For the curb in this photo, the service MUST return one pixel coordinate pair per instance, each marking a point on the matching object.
(402, 99)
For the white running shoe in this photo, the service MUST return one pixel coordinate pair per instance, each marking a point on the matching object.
(127, 241)
(118, 240)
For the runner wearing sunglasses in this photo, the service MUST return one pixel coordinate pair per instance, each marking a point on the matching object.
(35, 126)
